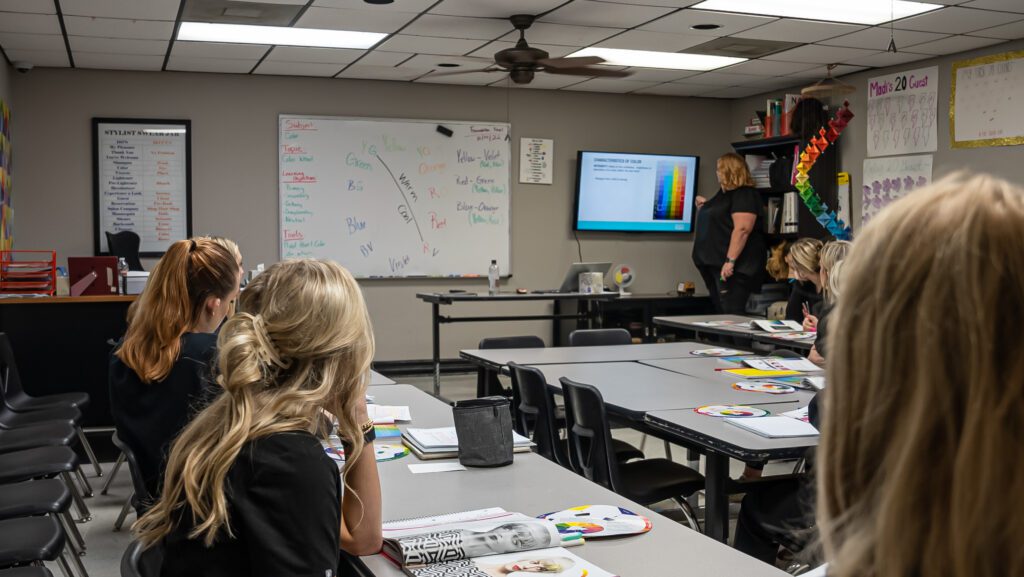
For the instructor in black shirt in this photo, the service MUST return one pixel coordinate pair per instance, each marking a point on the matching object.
(729, 249)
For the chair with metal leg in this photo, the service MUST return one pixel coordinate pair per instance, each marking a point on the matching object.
(487, 382)
(42, 497)
(44, 463)
(140, 498)
(139, 562)
(29, 571)
(46, 434)
(11, 421)
(599, 337)
(33, 540)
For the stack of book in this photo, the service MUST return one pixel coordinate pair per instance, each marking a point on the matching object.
(442, 443)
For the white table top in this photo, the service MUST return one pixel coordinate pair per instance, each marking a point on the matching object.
(600, 354)
(690, 322)
(534, 486)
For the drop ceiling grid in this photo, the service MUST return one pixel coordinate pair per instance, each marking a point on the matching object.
(126, 34)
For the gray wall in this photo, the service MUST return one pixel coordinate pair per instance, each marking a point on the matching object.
(1004, 161)
(5, 83)
(234, 169)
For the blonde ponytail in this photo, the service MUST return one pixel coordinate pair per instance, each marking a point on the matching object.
(302, 345)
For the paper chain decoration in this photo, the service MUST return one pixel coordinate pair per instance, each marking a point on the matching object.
(817, 145)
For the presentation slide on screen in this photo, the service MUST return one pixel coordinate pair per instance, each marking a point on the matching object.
(642, 192)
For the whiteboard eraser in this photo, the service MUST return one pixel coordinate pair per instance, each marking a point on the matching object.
(445, 130)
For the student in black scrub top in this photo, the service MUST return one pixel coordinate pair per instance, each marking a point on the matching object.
(160, 373)
(729, 249)
(248, 488)
(805, 297)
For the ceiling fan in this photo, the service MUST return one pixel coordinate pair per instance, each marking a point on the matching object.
(522, 61)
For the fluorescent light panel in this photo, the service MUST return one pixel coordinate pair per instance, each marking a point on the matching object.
(651, 59)
(856, 12)
(277, 35)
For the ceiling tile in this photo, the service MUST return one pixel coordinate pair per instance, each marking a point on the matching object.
(955, 20)
(472, 78)
(396, 6)
(658, 74)
(427, 62)
(722, 79)
(224, 65)
(735, 92)
(30, 23)
(384, 58)
(590, 13)
(676, 89)
(763, 67)
(314, 55)
(955, 44)
(458, 27)
(117, 28)
(128, 9)
(117, 46)
(819, 54)
(119, 61)
(544, 81)
(218, 50)
(15, 41)
(767, 84)
(878, 37)
(616, 85)
(362, 20)
(883, 59)
(1004, 5)
(564, 35)
(793, 30)
(34, 6)
(682, 21)
(489, 50)
(429, 44)
(658, 41)
(494, 8)
(669, 3)
(380, 72)
(322, 69)
(53, 58)
(1007, 31)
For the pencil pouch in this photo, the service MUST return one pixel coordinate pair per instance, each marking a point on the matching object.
(484, 429)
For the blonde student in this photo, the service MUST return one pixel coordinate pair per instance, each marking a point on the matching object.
(921, 460)
(249, 489)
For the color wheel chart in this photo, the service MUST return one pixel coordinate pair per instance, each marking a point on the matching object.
(671, 183)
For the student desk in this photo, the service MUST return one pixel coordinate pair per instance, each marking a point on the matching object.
(707, 369)
(533, 485)
(379, 379)
(584, 313)
(498, 358)
(720, 441)
(769, 339)
(689, 322)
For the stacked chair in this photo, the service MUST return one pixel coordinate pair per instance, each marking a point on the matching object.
(41, 478)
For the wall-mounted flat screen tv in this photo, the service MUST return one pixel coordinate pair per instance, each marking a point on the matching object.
(626, 192)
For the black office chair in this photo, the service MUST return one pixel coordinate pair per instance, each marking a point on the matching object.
(139, 562)
(140, 498)
(10, 420)
(487, 383)
(646, 481)
(599, 337)
(125, 244)
(46, 434)
(14, 394)
(537, 408)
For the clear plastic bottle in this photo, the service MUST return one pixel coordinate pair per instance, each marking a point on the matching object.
(122, 271)
(492, 278)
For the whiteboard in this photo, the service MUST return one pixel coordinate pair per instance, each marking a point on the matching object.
(986, 100)
(395, 198)
(142, 181)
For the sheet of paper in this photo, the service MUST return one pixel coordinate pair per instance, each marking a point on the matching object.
(775, 427)
(802, 365)
(902, 112)
(800, 414)
(435, 468)
(887, 180)
(385, 414)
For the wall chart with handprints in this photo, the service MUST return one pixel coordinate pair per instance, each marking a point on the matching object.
(395, 198)
(886, 180)
(902, 112)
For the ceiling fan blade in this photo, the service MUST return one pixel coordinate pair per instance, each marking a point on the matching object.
(434, 73)
(587, 71)
(576, 62)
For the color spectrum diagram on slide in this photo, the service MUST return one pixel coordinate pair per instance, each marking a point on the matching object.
(670, 181)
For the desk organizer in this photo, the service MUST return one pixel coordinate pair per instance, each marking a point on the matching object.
(28, 272)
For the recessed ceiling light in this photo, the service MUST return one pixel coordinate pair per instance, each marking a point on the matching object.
(277, 35)
(706, 26)
(859, 12)
(448, 65)
(650, 59)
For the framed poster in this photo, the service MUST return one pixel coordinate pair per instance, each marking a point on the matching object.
(142, 181)
(982, 109)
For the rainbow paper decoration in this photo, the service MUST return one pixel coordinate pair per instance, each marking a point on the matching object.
(670, 179)
(6, 212)
(815, 147)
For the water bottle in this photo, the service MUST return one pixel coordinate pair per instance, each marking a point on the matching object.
(122, 271)
(492, 278)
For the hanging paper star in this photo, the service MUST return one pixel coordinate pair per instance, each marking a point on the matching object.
(815, 147)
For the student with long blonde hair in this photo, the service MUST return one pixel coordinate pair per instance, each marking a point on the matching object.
(921, 460)
(249, 489)
(804, 262)
(160, 372)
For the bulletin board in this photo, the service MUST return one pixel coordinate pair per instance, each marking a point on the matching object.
(986, 99)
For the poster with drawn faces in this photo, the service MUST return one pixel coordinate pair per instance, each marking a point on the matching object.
(902, 112)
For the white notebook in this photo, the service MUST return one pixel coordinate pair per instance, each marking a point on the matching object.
(775, 427)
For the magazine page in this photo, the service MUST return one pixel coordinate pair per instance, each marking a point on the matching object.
(505, 533)
(555, 561)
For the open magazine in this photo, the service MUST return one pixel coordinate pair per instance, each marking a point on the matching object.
(484, 543)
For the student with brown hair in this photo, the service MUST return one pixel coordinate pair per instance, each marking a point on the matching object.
(921, 460)
(161, 370)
